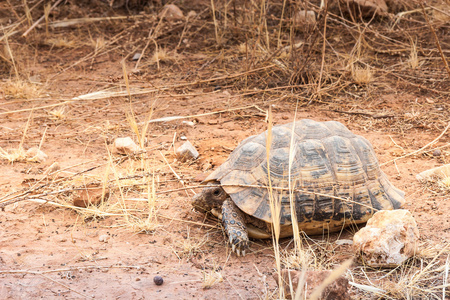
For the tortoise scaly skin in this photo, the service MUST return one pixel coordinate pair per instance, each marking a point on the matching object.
(334, 177)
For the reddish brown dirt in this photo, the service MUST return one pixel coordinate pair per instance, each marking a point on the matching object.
(73, 261)
(51, 252)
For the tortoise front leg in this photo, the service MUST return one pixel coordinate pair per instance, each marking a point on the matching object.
(233, 221)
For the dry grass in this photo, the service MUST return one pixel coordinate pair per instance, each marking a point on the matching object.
(444, 183)
(210, 278)
(421, 277)
(361, 75)
(414, 60)
(311, 255)
(13, 155)
(161, 55)
(62, 42)
(441, 12)
(188, 246)
(21, 89)
(58, 113)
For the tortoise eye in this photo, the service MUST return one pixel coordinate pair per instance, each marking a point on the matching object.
(217, 192)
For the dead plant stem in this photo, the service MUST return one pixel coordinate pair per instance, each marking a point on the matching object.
(436, 39)
(175, 173)
(41, 18)
(323, 48)
(421, 149)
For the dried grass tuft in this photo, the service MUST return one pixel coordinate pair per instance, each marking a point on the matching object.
(361, 75)
(21, 89)
(414, 60)
(445, 183)
(163, 55)
(211, 278)
(310, 255)
(13, 155)
(58, 113)
(189, 246)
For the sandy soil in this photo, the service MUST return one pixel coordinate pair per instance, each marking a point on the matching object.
(53, 252)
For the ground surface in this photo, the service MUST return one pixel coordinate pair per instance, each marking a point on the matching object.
(50, 251)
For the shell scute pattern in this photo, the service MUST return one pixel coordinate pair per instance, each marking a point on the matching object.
(328, 159)
(250, 155)
(304, 206)
(323, 205)
(279, 164)
(339, 129)
(281, 137)
(249, 200)
(313, 163)
(345, 161)
(311, 130)
(367, 156)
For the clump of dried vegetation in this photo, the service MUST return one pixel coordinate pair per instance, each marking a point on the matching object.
(342, 62)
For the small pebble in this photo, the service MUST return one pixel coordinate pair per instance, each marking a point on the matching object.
(344, 242)
(437, 152)
(126, 146)
(158, 280)
(36, 155)
(187, 152)
(191, 14)
(103, 238)
(136, 56)
(188, 123)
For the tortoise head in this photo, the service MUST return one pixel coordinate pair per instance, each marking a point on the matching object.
(212, 196)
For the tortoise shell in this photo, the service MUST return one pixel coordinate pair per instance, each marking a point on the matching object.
(334, 175)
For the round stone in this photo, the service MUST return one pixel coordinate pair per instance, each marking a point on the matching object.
(158, 280)
(437, 152)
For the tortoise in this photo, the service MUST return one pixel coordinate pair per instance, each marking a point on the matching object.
(334, 180)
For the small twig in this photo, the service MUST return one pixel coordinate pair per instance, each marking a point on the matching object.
(72, 22)
(67, 287)
(175, 173)
(173, 118)
(66, 269)
(323, 47)
(187, 221)
(436, 39)
(372, 115)
(143, 50)
(179, 189)
(421, 149)
(36, 108)
(45, 201)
